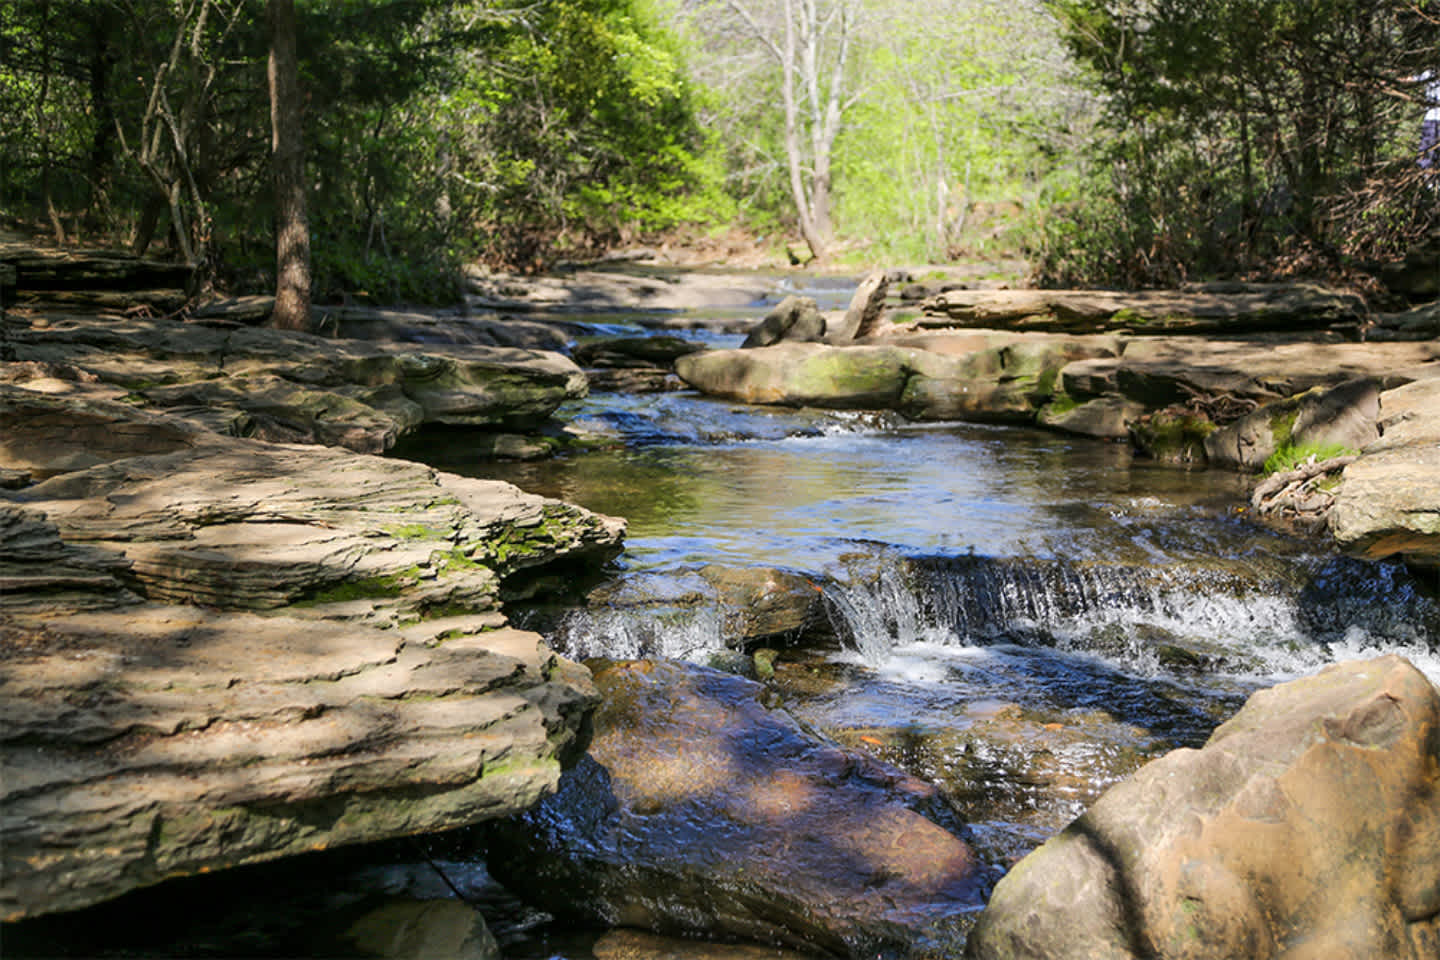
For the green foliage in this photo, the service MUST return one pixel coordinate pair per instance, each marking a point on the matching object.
(435, 130)
(1244, 135)
(1289, 456)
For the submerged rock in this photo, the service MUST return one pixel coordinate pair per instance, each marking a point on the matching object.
(1307, 826)
(702, 811)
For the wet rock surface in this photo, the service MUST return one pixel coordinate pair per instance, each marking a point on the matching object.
(702, 811)
(1307, 825)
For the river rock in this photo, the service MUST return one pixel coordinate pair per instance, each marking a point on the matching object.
(237, 523)
(687, 613)
(1108, 418)
(803, 374)
(405, 929)
(220, 651)
(145, 740)
(1003, 384)
(1340, 417)
(300, 387)
(640, 352)
(1195, 309)
(388, 324)
(865, 308)
(1306, 827)
(701, 811)
(1417, 323)
(796, 319)
(635, 945)
(1389, 499)
(614, 290)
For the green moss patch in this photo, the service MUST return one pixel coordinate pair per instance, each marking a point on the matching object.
(1289, 456)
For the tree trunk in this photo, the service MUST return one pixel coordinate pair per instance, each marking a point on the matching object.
(292, 227)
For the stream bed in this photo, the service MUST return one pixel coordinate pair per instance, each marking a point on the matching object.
(1018, 617)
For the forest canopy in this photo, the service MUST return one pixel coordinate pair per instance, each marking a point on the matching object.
(1133, 142)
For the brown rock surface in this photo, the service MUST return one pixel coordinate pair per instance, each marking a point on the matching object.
(340, 674)
(1307, 827)
(1389, 499)
(702, 811)
(1202, 308)
(303, 388)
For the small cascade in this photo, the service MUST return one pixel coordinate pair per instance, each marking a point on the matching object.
(1144, 619)
(691, 633)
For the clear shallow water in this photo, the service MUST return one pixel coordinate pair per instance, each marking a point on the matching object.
(1021, 617)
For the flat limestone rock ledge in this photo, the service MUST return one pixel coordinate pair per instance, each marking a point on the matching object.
(158, 741)
(1097, 385)
(296, 387)
(1195, 309)
(1308, 827)
(217, 651)
(1389, 499)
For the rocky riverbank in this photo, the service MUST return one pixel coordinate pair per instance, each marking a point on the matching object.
(231, 633)
(220, 649)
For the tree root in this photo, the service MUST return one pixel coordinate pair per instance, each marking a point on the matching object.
(1296, 496)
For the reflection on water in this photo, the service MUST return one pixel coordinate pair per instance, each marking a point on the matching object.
(704, 480)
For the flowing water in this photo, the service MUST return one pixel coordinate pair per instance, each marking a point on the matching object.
(1019, 617)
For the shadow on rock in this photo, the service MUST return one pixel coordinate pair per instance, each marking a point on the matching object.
(702, 811)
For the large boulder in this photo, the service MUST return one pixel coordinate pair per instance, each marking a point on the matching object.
(803, 374)
(702, 811)
(1307, 827)
(1389, 499)
(1008, 383)
(1341, 418)
(794, 318)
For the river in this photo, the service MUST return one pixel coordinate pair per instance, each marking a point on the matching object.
(1020, 617)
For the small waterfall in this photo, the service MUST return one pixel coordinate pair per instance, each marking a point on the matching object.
(676, 633)
(1144, 619)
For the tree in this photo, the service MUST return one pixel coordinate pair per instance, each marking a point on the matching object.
(292, 226)
(1241, 131)
(810, 46)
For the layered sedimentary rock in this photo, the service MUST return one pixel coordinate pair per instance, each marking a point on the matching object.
(288, 386)
(217, 651)
(1389, 499)
(1219, 308)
